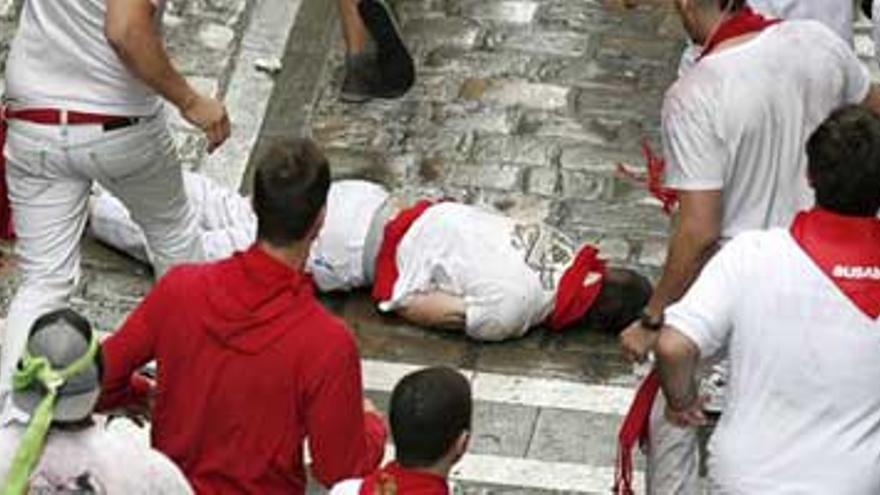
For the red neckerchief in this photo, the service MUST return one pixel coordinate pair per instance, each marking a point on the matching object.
(6, 230)
(744, 21)
(395, 479)
(386, 259)
(633, 430)
(576, 292)
(847, 250)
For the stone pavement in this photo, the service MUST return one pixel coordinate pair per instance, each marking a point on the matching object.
(522, 105)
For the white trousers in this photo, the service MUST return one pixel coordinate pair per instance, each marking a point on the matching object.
(673, 466)
(50, 170)
(226, 221)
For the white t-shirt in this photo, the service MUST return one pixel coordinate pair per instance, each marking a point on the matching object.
(739, 120)
(60, 58)
(506, 271)
(802, 409)
(836, 14)
(98, 461)
(336, 259)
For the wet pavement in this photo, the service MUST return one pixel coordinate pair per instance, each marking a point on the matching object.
(523, 105)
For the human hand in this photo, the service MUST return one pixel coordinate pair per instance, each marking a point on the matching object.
(209, 115)
(689, 417)
(636, 342)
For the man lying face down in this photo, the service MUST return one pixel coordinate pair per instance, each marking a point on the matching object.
(438, 264)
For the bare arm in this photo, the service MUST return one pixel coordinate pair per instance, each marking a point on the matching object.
(677, 361)
(131, 31)
(434, 310)
(694, 240)
(872, 101)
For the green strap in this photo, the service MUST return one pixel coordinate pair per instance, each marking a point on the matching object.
(38, 370)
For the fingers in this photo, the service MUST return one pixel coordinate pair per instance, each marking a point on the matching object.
(218, 132)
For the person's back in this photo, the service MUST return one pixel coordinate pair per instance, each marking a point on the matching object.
(88, 460)
(757, 102)
(250, 365)
(799, 313)
(836, 14)
(61, 58)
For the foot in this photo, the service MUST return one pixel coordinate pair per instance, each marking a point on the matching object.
(390, 72)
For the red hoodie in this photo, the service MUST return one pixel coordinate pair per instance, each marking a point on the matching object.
(249, 366)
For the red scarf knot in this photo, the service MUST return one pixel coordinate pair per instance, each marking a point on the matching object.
(743, 21)
(578, 288)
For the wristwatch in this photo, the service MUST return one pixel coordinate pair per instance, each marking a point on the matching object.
(653, 323)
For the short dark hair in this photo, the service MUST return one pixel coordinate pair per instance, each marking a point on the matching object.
(621, 301)
(430, 409)
(290, 189)
(844, 162)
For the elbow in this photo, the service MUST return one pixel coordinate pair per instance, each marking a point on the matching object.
(117, 35)
(672, 348)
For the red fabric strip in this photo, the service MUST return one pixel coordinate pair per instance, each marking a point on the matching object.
(847, 250)
(386, 259)
(395, 479)
(656, 167)
(744, 21)
(633, 430)
(576, 292)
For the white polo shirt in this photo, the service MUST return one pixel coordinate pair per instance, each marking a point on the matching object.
(836, 14)
(739, 119)
(60, 58)
(803, 408)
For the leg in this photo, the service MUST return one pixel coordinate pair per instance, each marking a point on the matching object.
(226, 220)
(353, 28)
(434, 310)
(139, 165)
(49, 208)
(673, 463)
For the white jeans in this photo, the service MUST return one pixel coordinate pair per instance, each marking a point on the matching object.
(50, 170)
(226, 221)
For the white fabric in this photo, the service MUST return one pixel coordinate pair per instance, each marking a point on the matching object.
(226, 220)
(226, 223)
(785, 430)
(336, 257)
(60, 58)
(49, 171)
(347, 487)
(500, 267)
(836, 14)
(738, 120)
(97, 461)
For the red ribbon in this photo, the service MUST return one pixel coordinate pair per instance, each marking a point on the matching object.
(634, 430)
(744, 21)
(386, 259)
(656, 167)
(575, 295)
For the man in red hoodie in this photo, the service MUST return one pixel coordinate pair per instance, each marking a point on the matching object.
(249, 363)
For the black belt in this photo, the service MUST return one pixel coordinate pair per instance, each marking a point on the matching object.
(120, 123)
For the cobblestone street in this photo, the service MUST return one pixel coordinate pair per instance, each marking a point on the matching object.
(523, 105)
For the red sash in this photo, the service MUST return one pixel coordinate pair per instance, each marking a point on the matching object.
(656, 166)
(633, 430)
(394, 479)
(576, 293)
(386, 259)
(744, 21)
(847, 250)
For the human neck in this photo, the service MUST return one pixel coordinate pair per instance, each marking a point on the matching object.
(294, 255)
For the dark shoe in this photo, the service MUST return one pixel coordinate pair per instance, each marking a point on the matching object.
(394, 62)
(867, 7)
(362, 79)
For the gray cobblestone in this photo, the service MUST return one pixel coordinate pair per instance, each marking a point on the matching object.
(504, 11)
(522, 93)
(539, 41)
(499, 177)
(431, 33)
(516, 149)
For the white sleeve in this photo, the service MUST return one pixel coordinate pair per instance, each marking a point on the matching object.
(705, 313)
(695, 155)
(347, 487)
(856, 77)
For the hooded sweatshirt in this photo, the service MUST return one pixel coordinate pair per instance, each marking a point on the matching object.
(249, 366)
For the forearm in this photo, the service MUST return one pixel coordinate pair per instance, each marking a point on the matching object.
(688, 252)
(131, 31)
(677, 362)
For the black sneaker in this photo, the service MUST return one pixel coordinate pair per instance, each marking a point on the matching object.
(363, 80)
(394, 63)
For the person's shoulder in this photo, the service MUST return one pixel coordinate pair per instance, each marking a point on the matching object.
(754, 245)
(326, 330)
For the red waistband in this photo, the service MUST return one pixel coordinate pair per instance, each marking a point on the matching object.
(52, 116)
